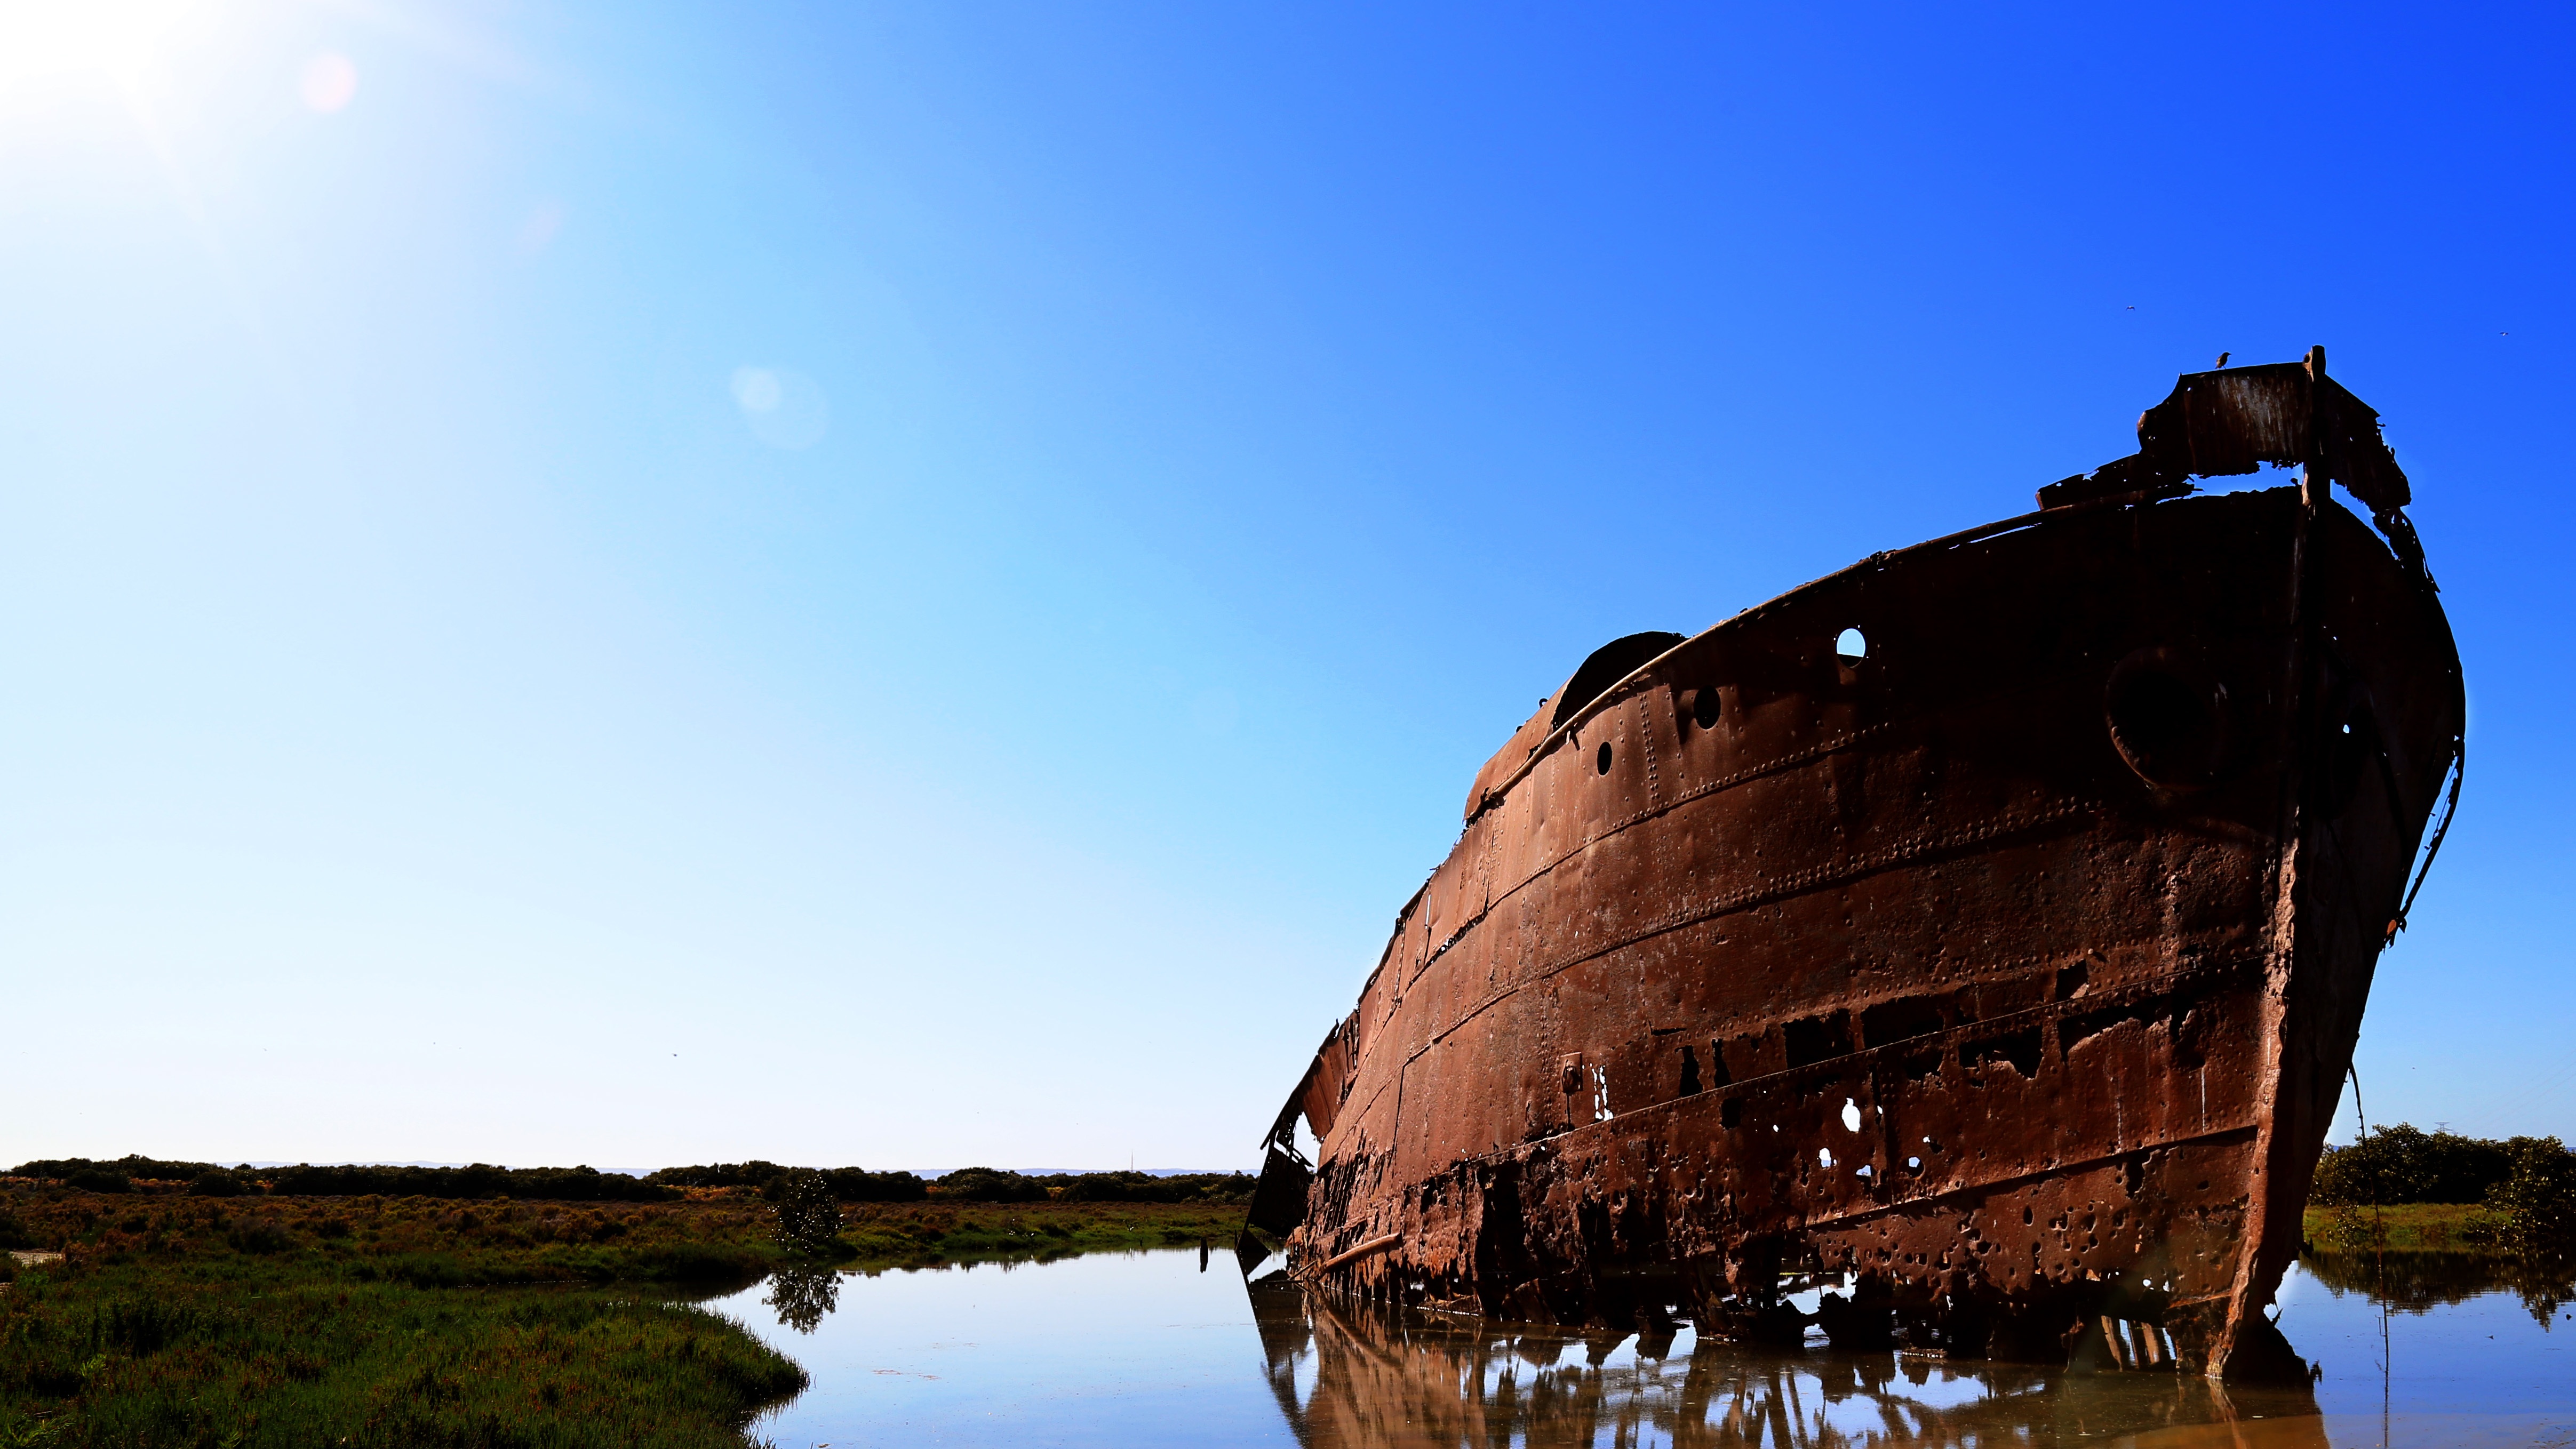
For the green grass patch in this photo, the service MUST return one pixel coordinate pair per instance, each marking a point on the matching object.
(207, 1322)
(245, 1321)
(2415, 1227)
(233, 1355)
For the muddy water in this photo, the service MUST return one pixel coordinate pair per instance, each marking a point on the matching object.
(1146, 1349)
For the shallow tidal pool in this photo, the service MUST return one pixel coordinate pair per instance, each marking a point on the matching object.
(1165, 1348)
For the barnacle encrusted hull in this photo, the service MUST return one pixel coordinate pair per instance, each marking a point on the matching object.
(2005, 962)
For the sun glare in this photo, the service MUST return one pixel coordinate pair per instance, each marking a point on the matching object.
(116, 38)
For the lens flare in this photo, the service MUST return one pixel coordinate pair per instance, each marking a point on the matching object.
(786, 409)
(329, 83)
(756, 389)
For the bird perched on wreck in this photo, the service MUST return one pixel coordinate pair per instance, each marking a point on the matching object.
(2221, 362)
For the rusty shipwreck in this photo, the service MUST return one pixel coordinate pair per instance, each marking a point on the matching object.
(1999, 964)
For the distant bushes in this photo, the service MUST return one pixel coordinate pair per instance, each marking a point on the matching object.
(754, 1173)
(480, 1180)
(1209, 1187)
(584, 1184)
(217, 1183)
(975, 1184)
(986, 1184)
(2404, 1163)
(117, 1176)
(2527, 1183)
(851, 1184)
(2538, 1197)
(848, 1184)
(203, 1178)
(989, 1184)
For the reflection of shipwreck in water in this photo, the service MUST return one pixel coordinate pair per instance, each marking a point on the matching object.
(1388, 1378)
(2007, 959)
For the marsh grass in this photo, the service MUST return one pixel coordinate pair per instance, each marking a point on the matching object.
(2415, 1227)
(273, 1320)
(427, 1242)
(249, 1353)
(192, 1321)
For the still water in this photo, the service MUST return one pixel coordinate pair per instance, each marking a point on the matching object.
(1150, 1349)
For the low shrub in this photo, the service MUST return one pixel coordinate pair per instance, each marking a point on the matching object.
(988, 1184)
(754, 1174)
(806, 1218)
(2405, 1164)
(2537, 1199)
(215, 1182)
(478, 1180)
(64, 1169)
(1200, 1187)
(849, 1184)
(852, 1184)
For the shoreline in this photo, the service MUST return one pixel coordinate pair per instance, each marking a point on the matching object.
(280, 1318)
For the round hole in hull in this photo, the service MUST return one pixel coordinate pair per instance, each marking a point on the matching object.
(2350, 748)
(1601, 761)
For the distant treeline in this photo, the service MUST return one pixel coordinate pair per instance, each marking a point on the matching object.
(479, 1180)
(2404, 1164)
(849, 1184)
(985, 1184)
(584, 1184)
(977, 1184)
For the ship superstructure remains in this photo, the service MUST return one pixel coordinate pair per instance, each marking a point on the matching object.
(2000, 961)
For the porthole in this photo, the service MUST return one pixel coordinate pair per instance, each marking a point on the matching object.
(1601, 760)
(1851, 646)
(2350, 747)
(1704, 707)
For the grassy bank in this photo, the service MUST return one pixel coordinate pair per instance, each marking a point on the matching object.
(718, 1237)
(268, 1352)
(423, 1242)
(2414, 1227)
(282, 1320)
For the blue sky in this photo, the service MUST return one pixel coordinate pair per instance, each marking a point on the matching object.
(915, 584)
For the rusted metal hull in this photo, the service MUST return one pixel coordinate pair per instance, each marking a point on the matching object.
(2011, 970)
